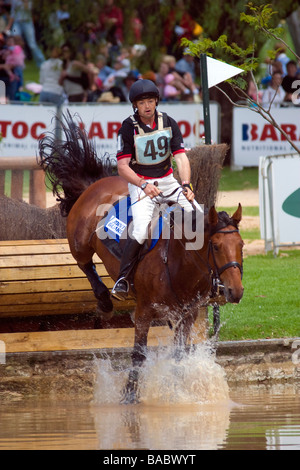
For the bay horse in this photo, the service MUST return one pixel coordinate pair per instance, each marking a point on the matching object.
(170, 282)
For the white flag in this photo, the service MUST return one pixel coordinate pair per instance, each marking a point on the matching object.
(218, 71)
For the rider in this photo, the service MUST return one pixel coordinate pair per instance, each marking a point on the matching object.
(147, 141)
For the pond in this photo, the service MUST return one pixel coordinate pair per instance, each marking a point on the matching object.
(185, 406)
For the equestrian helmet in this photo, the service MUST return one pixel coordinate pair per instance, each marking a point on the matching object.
(143, 88)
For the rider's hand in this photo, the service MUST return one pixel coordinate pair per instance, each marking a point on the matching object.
(151, 190)
(189, 194)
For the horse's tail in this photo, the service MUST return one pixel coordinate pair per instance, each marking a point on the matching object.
(71, 164)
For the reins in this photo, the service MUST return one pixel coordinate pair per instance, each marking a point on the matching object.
(214, 272)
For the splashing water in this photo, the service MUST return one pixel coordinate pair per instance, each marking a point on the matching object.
(196, 379)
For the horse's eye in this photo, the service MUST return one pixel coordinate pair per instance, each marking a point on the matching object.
(216, 248)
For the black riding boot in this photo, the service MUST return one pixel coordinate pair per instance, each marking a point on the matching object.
(130, 254)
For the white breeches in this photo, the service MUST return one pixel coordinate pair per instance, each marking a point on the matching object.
(143, 209)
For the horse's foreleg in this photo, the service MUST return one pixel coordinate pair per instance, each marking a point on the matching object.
(182, 333)
(130, 392)
(101, 292)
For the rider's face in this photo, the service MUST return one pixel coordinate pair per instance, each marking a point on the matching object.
(146, 108)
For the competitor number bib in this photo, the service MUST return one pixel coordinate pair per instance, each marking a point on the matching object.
(152, 148)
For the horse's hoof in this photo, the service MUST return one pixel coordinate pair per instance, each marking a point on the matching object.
(105, 304)
(129, 398)
(106, 316)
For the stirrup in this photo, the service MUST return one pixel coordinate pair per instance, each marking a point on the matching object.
(120, 289)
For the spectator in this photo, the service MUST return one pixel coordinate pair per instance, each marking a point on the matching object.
(21, 24)
(104, 69)
(50, 72)
(281, 57)
(126, 85)
(274, 95)
(253, 91)
(120, 70)
(10, 72)
(16, 57)
(111, 23)
(75, 76)
(4, 15)
(179, 24)
(136, 26)
(186, 65)
(272, 66)
(289, 79)
(182, 81)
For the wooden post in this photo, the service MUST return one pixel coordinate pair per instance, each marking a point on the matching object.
(2, 182)
(17, 177)
(37, 189)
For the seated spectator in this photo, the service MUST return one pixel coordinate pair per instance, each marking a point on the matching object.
(16, 57)
(7, 75)
(50, 72)
(272, 67)
(274, 95)
(253, 92)
(75, 76)
(183, 82)
(289, 79)
(121, 68)
(186, 65)
(281, 57)
(125, 86)
(104, 69)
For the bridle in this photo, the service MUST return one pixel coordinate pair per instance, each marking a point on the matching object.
(215, 271)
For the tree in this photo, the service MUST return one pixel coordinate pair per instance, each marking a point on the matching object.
(259, 20)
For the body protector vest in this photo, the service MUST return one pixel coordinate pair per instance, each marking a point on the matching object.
(152, 149)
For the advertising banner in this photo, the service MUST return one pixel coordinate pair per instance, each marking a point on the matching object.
(280, 200)
(21, 126)
(253, 137)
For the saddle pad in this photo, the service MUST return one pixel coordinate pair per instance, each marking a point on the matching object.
(114, 227)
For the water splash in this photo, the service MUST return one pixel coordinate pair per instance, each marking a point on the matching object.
(196, 379)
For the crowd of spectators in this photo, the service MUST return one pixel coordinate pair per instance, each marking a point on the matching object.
(102, 70)
(279, 86)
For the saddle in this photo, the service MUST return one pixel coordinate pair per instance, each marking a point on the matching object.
(114, 228)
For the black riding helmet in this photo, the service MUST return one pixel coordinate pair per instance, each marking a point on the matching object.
(143, 88)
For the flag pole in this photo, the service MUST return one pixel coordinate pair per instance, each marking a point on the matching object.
(205, 98)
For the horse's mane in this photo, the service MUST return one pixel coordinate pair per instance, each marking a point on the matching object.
(71, 164)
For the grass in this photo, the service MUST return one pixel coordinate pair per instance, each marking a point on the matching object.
(270, 307)
(238, 180)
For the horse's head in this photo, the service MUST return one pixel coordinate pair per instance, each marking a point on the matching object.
(226, 252)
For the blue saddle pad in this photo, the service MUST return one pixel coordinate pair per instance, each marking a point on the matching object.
(113, 228)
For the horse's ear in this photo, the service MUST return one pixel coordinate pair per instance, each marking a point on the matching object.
(237, 216)
(213, 216)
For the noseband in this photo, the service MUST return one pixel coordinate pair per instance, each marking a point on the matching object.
(215, 270)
